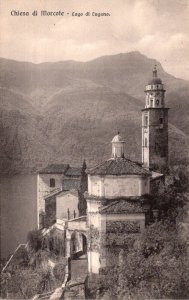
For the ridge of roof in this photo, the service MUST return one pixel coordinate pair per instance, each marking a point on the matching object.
(54, 192)
(72, 191)
(55, 169)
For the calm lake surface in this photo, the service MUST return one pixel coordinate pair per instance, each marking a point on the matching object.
(18, 198)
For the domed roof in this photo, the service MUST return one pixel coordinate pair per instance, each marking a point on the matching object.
(118, 166)
(118, 138)
(155, 80)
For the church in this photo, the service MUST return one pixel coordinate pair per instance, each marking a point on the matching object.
(117, 201)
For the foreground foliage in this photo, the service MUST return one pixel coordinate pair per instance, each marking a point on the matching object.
(154, 265)
(39, 268)
(157, 267)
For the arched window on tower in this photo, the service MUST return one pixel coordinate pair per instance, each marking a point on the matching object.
(161, 120)
(145, 120)
(161, 123)
(145, 142)
(52, 182)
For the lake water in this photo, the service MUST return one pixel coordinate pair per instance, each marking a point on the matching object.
(18, 196)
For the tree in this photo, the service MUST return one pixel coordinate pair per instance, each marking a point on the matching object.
(35, 240)
(82, 205)
(157, 267)
(22, 283)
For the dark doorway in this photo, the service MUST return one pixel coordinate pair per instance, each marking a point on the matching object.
(73, 245)
(84, 244)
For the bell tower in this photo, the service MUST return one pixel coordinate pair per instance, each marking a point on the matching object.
(155, 126)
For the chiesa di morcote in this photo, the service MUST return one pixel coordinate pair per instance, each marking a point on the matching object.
(115, 190)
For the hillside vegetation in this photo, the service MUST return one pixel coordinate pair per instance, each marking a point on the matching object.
(66, 111)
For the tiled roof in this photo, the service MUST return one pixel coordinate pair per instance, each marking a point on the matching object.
(118, 166)
(55, 169)
(122, 207)
(72, 171)
(70, 184)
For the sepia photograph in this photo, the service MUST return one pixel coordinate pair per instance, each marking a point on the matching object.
(94, 149)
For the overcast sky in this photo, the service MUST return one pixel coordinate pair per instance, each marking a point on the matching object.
(157, 28)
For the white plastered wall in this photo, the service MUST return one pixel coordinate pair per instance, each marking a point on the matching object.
(118, 186)
(65, 201)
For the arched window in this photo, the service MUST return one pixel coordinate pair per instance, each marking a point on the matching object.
(145, 142)
(145, 120)
(52, 182)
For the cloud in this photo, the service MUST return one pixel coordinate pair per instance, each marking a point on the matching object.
(157, 28)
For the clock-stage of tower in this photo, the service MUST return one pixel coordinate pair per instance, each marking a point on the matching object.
(155, 126)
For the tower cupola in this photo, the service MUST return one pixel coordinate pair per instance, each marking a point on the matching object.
(118, 146)
(155, 91)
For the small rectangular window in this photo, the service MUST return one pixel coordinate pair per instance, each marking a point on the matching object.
(161, 120)
(52, 182)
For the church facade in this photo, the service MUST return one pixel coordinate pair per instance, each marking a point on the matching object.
(114, 205)
(117, 209)
(118, 206)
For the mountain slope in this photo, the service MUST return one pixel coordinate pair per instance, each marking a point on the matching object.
(127, 72)
(68, 111)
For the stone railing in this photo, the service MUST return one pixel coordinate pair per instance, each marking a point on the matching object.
(13, 255)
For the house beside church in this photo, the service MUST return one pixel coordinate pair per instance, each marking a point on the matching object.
(60, 193)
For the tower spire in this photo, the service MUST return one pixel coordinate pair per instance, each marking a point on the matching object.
(155, 71)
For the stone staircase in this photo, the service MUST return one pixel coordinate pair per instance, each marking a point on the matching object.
(72, 289)
(75, 288)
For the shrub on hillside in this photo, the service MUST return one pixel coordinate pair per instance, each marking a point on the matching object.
(35, 240)
(157, 268)
(59, 271)
(55, 243)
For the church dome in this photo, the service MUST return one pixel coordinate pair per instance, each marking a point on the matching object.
(118, 138)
